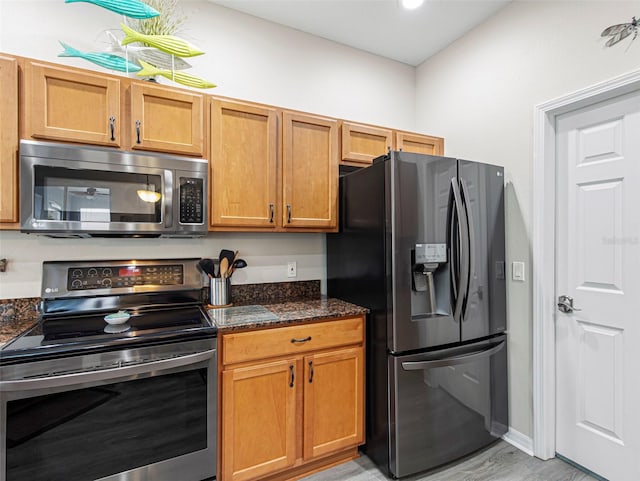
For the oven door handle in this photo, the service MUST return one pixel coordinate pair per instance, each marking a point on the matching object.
(105, 374)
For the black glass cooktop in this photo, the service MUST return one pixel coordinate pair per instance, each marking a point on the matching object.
(67, 335)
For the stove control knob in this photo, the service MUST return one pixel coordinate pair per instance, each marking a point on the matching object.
(106, 283)
(76, 284)
(76, 273)
(106, 272)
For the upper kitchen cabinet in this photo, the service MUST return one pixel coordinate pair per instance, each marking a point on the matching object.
(71, 105)
(165, 119)
(243, 165)
(8, 140)
(419, 144)
(363, 143)
(309, 171)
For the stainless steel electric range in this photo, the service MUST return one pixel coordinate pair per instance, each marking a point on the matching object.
(117, 381)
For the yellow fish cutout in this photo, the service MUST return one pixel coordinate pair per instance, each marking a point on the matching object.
(166, 43)
(179, 76)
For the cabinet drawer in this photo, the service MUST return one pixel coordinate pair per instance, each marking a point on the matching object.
(284, 341)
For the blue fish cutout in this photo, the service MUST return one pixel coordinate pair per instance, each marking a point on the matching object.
(106, 60)
(129, 8)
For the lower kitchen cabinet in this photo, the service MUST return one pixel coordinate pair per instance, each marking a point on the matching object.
(290, 411)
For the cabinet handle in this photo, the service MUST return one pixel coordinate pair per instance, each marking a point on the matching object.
(310, 371)
(112, 127)
(292, 376)
(271, 213)
(137, 131)
(288, 213)
(305, 339)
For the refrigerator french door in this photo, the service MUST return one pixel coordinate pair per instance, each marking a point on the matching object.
(421, 244)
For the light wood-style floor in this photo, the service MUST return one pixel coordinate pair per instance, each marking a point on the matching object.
(499, 462)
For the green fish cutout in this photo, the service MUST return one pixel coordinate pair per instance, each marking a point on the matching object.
(166, 43)
(149, 70)
(128, 8)
(106, 60)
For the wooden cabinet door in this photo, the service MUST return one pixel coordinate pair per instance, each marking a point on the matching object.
(333, 401)
(309, 171)
(166, 120)
(258, 419)
(243, 165)
(419, 144)
(69, 105)
(8, 139)
(362, 143)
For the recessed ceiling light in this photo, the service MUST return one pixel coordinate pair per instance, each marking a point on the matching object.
(411, 4)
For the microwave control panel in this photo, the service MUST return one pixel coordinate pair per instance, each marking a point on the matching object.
(103, 277)
(191, 200)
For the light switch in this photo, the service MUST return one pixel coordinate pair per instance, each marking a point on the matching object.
(517, 271)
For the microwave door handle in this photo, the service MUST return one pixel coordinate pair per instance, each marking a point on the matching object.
(168, 199)
(105, 374)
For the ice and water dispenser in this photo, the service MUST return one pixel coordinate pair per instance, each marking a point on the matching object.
(430, 281)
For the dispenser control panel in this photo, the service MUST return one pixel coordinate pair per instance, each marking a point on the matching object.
(429, 253)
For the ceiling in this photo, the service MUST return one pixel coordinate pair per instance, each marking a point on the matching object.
(380, 27)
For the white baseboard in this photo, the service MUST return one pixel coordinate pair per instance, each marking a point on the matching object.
(519, 440)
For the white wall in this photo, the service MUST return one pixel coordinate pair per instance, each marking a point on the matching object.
(480, 95)
(248, 59)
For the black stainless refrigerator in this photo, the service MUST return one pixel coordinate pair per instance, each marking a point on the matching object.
(421, 244)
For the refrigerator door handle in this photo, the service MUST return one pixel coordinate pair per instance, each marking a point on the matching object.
(463, 239)
(471, 243)
(452, 243)
(453, 361)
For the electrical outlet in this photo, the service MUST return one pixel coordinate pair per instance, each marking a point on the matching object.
(291, 269)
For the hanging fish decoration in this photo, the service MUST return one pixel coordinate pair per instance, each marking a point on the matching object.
(128, 8)
(180, 77)
(620, 32)
(166, 43)
(150, 55)
(106, 60)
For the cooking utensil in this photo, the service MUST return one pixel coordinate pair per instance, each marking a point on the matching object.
(207, 266)
(224, 267)
(237, 264)
(227, 254)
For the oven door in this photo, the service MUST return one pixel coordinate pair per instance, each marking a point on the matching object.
(150, 418)
(70, 197)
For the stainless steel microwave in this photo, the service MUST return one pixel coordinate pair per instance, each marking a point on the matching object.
(84, 191)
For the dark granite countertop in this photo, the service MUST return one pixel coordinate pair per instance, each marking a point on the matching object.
(282, 313)
(242, 317)
(16, 316)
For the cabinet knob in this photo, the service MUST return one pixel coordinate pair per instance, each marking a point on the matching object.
(288, 213)
(138, 123)
(271, 213)
(310, 372)
(292, 378)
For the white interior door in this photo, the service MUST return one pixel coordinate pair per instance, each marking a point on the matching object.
(598, 264)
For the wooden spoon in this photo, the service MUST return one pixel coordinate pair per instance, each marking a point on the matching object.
(224, 267)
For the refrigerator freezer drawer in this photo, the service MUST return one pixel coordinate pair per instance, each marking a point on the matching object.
(446, 404)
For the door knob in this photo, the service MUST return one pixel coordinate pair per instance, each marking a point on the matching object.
(565, 304)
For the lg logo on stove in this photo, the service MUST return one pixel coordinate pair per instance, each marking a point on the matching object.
(50, 290)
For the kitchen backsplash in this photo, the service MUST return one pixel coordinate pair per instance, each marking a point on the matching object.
(267, 292)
